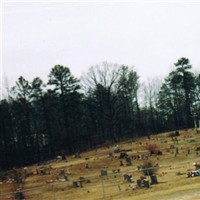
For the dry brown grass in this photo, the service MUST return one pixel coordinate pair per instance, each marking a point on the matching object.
(173, 183)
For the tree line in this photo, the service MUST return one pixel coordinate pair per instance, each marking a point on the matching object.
(66, 115)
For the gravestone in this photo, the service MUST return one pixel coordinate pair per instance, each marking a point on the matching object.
(132, 185)
(62, 172)
(74, 184)
(139, 183)
(154, 179)
(19, 195)
(104, 172)
(128, 177)
(146, 183)
(128, 161)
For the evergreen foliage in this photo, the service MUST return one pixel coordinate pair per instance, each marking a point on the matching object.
(40, 121)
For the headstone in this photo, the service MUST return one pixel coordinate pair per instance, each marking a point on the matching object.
(119, 187)
(62, 172)
(172, 146)
(197, 166)
(128, 177)
(104, 172)
(74, 184)
(81, 185)
(177, 133)
(116, 149)
(77, 155)
(63, 157)
(121, 163)
(139, 183)
(188, 150)
(19, 195)
(110, 154)
(116, 171)
(146, 183)
(128, 161)
(154, 179)
(131, 179)
(132, 185)
(65, 177)
(139, 168)
(123, 155)
(59, 157)
(142, 177)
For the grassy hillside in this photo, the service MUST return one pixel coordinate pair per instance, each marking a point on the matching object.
(48, 181)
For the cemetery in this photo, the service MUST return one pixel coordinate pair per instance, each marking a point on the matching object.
(127, 170)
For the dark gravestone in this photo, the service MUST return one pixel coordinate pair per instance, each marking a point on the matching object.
(154, 179)
(81, 185)
(139, 183)
(18, 179)
(146, 183)
(19, 195)
(63, 157)
(197, 166)
(121, 163)
(65, 177)
(104, 172)
(128, 177)
(123, 155)
(110, 154)
(74, 184)
(62, 172)
(128, 161)
(172, 146)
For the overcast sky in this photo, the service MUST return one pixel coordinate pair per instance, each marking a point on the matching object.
(149, 36)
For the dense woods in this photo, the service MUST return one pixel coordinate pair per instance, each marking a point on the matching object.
(66, 115)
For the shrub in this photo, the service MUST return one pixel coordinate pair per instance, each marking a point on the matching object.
(152, 148)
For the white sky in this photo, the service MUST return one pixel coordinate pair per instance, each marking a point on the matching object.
(149, 36)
